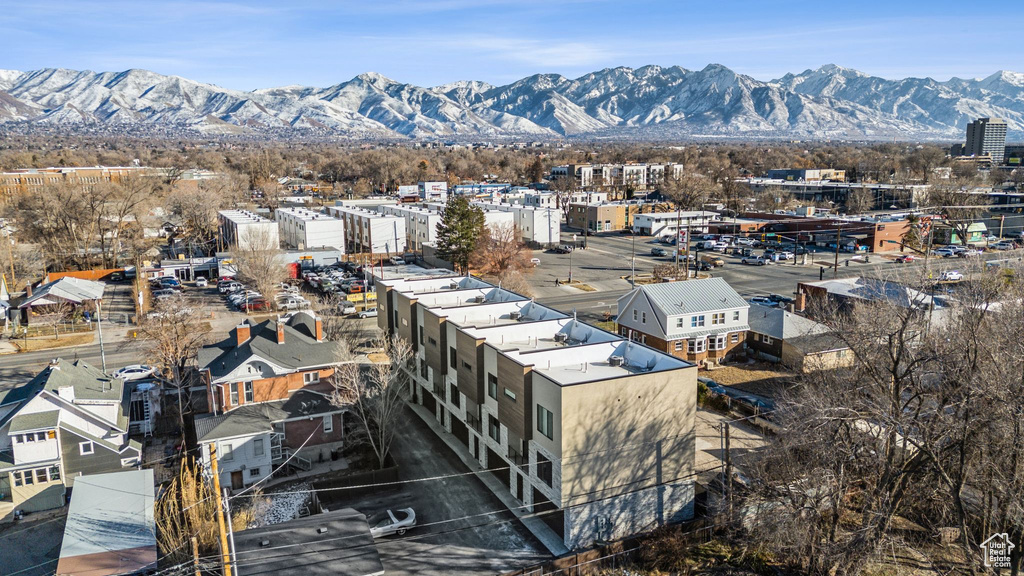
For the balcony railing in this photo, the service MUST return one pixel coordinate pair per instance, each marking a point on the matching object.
(473, 421)
(516, 457)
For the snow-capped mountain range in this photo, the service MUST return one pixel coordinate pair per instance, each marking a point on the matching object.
(647, 102)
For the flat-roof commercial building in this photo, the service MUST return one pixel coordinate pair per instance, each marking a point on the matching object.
(661, 224)
(367, 231)
(588, 430)
(540, 227)
(301, 228)
(246, 230)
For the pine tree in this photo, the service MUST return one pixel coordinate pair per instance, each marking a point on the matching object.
(459, 231)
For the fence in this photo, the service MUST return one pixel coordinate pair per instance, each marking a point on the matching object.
(384, 475)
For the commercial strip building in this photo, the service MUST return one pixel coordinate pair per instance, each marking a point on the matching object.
(590, 431)
(662, 224)
(807, 175)
(301, 228)
(244, 230)
(368, 231)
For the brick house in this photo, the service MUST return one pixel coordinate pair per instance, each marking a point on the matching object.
(269, 394)
(701, 321)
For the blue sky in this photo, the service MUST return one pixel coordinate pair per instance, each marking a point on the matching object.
(254, 44)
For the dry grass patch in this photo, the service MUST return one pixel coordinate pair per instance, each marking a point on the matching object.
(32, 345)
(762, 378)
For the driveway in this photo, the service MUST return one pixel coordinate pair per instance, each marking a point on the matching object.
(32, 545)
(462, 527)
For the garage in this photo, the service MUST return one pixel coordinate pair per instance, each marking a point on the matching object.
(460, 431)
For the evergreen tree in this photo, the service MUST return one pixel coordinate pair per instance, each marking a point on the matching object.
(535, 173)
(459, 231)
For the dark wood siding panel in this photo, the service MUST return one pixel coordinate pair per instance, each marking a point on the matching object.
(467, 349)
(528, 409)
(433, 349)
(406, 328)
(100, 461)
(385, 320)
(511, 376)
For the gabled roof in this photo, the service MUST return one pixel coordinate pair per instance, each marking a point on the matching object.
(691, 297)
(300, 350)
(780, 324)
(66, 289)
(32, 422)
(88, 382)
(249, 419)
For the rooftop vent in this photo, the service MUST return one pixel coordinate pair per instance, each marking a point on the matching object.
(561, 337)
(615, 360)
(515, 315)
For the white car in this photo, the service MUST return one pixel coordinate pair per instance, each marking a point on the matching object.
(951, 276)
(202, 283)
(135, 372)
(368, 313)
(945, 252)
(346, 307)
(535, 261)
(754, 260)
(786, 256)
(391, 522)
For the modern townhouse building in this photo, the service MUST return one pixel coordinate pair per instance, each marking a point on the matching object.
(699, 320)
(540, 227)
(581, 174)
(268, 393)
(301, 228)
(592, 432)
(244, 230)
(540, 200)
(369, 231)
(68, 421)
(420, 223)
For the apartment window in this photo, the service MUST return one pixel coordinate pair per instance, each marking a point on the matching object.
(635, 314)
(257, 447)
(679, 322)
(86, 448)
(248, 392)
(766, 339)
(678, 345)
(466, 365)
(510, 394)
(453, 360)
(718, 318)
(234, 393)
(493, 428)
(54, 473)
(27, 477)
(545, 469)
(328, 424)
(718, 342)
(734, 337)
(311, 377)
(421, 334)
(432, 341)
(696, 321)
(492, 386)
(453, 390)
(227, 453)
(736, 316)
(254, 472)
(545, 422)
(696, 346)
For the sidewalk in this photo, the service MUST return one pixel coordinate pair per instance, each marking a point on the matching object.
(537, 527)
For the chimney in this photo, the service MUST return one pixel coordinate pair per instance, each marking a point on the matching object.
(241, 333)
(28, 290)
(319, 329)
(280, 331)
(801, 302)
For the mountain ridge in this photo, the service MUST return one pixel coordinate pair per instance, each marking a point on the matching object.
(650, 101)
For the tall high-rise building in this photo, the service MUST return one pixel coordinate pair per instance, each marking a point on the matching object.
(986, 136)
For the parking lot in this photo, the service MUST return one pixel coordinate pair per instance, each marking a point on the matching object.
(461, 527)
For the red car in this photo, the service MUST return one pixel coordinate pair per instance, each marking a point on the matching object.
(258, 305)
(904, 258)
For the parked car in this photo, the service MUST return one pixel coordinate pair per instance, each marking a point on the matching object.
(135, 372)
(535, 261)
(763, 301)
(780, 299)
(229, 287)
(396, 261)
(257, 305)
(391, 522)
(346, 307)
(563, 249)
(754, 260)
(968, 253)
(1004, 246)
(368, 313)
(658, 251)
(951, 276)
(712, 260)
(786, 256)
(712, 385)
(744, 241)
(904, 258)
(947, 252)
(164, 293)
(116, 276)
(201, 283)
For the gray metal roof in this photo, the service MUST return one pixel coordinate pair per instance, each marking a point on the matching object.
(66, 289)
(37, 421)
(110, 527)
(250, 419)
(780, 324)
(692, 296)
(344, 546)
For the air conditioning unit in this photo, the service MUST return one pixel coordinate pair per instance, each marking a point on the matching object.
(561, 337)
(615, 360)
(515, 315)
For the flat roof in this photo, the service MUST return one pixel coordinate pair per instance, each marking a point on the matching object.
(499, 309)
(110, 527)
(241, 216)
(305, 214)
(594, 362)
(528, 335)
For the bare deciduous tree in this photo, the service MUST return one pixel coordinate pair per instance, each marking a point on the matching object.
(258, 262)
(375, 394)
(960, 204)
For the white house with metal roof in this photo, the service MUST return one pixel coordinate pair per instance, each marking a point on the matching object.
(700, 320)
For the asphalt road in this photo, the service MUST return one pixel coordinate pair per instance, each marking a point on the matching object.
(16, 369)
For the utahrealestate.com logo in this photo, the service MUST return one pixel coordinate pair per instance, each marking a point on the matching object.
(997, 550)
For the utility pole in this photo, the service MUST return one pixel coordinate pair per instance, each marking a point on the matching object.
(99, 330)
(195, 555)
(231, 529)
(14, 279)
(835, 267)
(225, 557)
(728, 468)
(679, 226)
